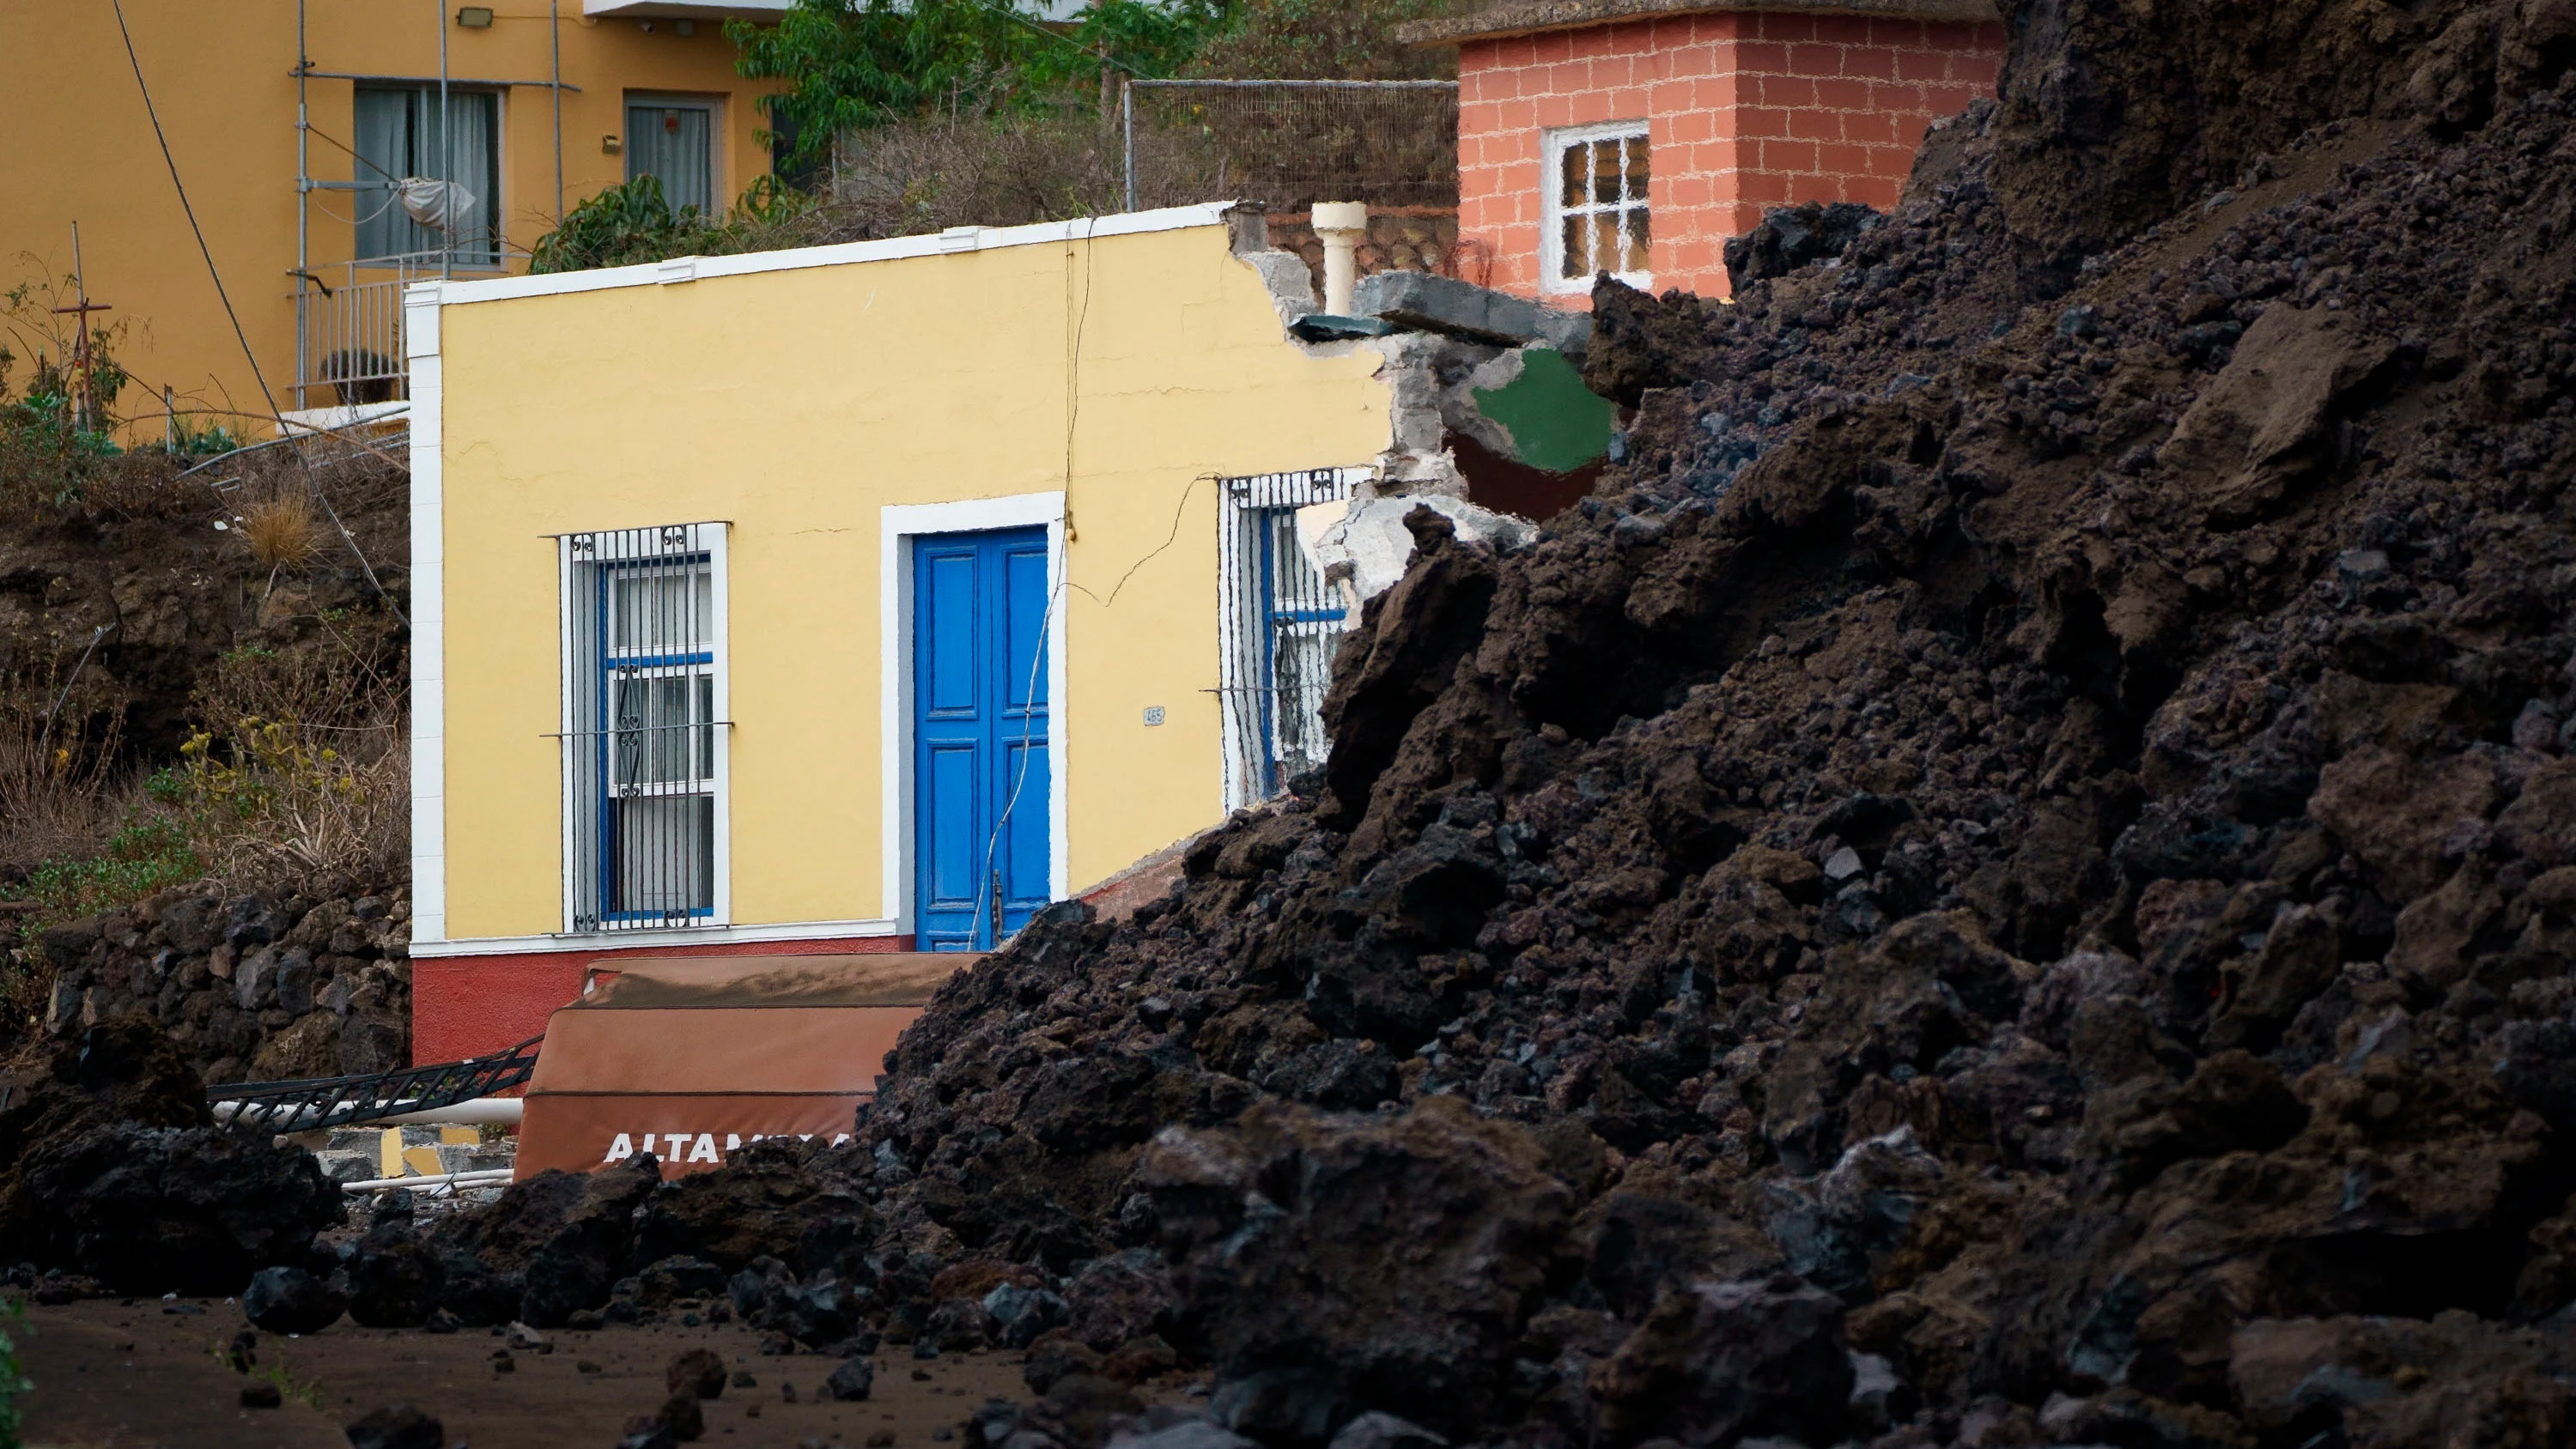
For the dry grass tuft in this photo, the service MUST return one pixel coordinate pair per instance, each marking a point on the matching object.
(59, 793)
(281, 525)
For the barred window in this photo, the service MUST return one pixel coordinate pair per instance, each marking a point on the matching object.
(1283, 622)
(1597, 213)
(643, 728)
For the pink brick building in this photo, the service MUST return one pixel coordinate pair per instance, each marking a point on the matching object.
(1636, 136)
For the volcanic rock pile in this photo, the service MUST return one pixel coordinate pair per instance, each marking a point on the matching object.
(2000, 883)
(113, 1175)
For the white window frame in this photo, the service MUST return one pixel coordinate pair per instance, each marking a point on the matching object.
(1552, 147)
(714, 106)
(898, 524)
(578, 645)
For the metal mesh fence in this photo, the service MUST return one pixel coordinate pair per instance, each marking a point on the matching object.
(1290, 144)
(640, 732)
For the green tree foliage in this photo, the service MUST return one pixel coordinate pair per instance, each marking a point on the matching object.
(1322, 40)
(855, 64)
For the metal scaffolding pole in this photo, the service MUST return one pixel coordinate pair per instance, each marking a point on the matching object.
(446, 151)
(554, 34)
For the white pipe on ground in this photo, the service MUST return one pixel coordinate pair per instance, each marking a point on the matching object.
(485, 1177)
(1340, 225)
(473, 1112)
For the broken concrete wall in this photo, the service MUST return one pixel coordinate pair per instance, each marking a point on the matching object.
(1363, 547)
(1489, 404)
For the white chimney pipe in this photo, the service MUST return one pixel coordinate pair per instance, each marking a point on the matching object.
(1340, 225)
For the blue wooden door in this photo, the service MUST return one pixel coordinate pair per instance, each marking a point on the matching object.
(981, 825)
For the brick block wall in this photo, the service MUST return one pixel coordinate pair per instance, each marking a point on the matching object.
(1743, 110)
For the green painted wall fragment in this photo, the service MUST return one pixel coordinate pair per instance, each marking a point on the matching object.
(1553, 420)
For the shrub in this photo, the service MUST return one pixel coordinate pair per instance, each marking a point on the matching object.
(1323, 40)
(299, 768)
(619, 226)
(58, 426)
(263, 799)
(298, 774)
(941, 113)
(855, 65)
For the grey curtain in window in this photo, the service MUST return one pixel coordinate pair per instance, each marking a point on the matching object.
(673, 143)
(398, 137)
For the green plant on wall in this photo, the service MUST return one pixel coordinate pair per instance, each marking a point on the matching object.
(635, 223)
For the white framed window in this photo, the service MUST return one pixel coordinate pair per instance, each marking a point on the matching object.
(1597, 217)
(1283, 621)
(673, 139)
(644, 728)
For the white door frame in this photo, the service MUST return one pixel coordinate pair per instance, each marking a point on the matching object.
(898, 525)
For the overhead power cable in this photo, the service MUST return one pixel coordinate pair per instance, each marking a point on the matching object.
(153, 113)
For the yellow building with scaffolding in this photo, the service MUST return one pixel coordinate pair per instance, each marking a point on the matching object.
(312, 138)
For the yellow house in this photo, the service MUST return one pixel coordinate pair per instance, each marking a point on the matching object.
(293, 125)
(863, 597)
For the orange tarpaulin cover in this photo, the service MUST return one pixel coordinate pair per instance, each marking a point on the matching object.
(689, 1059)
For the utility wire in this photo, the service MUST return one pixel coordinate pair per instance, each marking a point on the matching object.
(361, 160)
(1081, 319)
(162, 137)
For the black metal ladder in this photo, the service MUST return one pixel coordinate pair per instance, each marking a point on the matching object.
(314, 1103)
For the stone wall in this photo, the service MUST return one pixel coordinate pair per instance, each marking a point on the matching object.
(255, 987)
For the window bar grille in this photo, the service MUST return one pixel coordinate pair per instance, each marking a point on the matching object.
(639, 730)
(1284, 621)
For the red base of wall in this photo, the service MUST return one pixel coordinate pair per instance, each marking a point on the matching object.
(470, 1006)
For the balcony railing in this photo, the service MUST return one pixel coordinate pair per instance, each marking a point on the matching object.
(348, 331)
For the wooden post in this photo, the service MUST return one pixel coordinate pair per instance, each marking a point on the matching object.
(84, 393)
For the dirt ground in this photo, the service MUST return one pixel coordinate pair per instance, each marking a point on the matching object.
(112, 1375)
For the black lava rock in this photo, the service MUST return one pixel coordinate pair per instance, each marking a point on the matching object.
(287, 1299)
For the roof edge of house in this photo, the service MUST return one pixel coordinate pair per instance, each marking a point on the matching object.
(696, 268)
(1533, 17)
